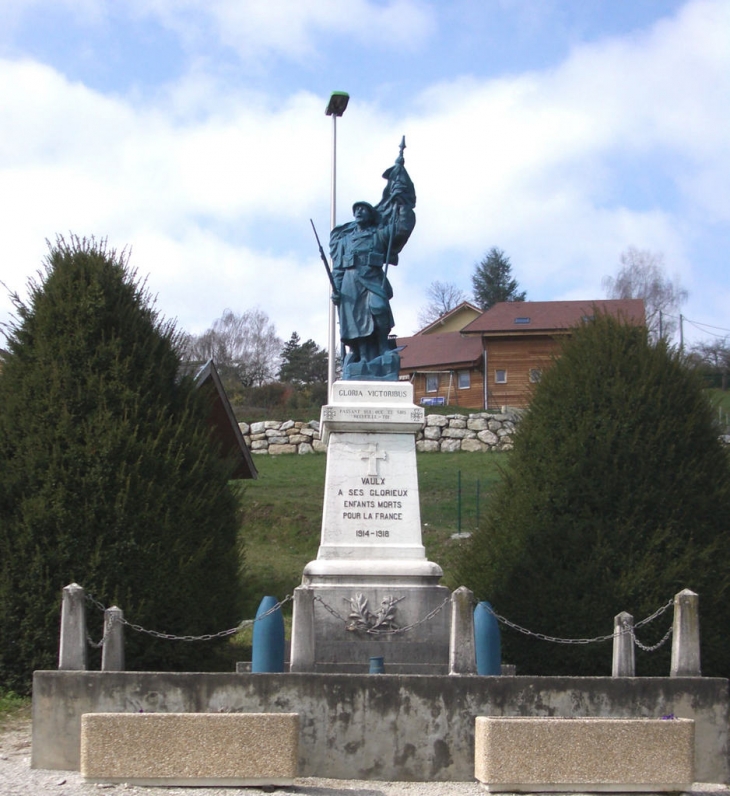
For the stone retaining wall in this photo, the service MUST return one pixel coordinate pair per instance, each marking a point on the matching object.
(483, 431)
(479, 432)
(276, 437)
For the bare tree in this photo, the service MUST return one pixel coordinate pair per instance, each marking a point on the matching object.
(642, 276)
(715, 355)
(442, 297)
(244, 347)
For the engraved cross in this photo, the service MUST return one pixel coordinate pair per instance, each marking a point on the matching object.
(372, 454)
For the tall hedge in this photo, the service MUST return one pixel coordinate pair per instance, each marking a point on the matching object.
(108, 475)
(616, 496)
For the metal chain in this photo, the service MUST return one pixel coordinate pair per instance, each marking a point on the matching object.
(657, 613)
(94, 644)
(596, 639)
(330, 609)
(107, 629)
(205, 637)
(654, 646)
(377, 632)
(94, 602)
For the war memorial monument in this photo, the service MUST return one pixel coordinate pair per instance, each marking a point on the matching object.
(371, 588)
(382, 682)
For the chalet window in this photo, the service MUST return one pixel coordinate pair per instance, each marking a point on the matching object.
(432, 382)
(535, 375)
(500, 376)
(463, 379)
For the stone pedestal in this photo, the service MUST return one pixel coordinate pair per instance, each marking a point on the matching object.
(371, 591)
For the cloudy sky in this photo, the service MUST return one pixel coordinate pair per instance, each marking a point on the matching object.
(194, 133)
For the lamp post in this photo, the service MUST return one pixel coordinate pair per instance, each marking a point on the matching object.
(335, 107)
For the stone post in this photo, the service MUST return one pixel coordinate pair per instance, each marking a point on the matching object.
(72, 647)
(302, 648)
(623, 646)
(112, 651)
(686, 635)
(462, 651)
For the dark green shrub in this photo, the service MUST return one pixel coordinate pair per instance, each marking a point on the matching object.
(616, 497)
(108, 476)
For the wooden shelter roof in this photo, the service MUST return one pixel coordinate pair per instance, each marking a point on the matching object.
(223, 422)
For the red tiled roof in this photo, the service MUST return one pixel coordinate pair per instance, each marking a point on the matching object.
(447, 349)
(551, 315)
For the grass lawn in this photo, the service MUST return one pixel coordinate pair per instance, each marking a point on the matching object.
(12, 707)
(721, 400)
(282, 513)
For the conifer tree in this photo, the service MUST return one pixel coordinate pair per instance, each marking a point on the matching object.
(493, 282)
(108, 475)
(615, 498)
(303, 363)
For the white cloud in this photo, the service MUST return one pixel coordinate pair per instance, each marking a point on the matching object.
(200, 271)
(213, 188)
(534, 158)
(293, 29)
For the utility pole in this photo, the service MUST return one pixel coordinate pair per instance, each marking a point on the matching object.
(681, 333)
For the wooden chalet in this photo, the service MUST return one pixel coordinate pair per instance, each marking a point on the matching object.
(520, 339)
(444, 368)
(453, 320)
(512, 343)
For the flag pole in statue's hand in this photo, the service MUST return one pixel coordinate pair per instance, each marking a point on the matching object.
(400, 160)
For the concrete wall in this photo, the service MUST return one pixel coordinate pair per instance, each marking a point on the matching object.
(377, 727)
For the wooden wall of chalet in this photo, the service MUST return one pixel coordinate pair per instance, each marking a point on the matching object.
(470, 398)
(517, 357)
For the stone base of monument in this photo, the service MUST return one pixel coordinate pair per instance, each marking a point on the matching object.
(346, 625)
(371, 592)
(387, 727)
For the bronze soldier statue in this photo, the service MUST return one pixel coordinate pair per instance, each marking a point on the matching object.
(361, 252)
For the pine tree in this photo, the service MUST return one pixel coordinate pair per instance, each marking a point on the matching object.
(108, 474)
(303, 363)
(492, 280)
(616, 497)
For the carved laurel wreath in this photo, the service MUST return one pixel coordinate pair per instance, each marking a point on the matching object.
(363, 619)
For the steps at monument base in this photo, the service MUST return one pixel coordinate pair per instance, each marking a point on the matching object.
(244, 667)
(390, 668)
(190, 749)
(549, 754)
